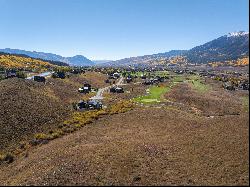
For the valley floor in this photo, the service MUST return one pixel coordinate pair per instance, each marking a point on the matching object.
(196, 139)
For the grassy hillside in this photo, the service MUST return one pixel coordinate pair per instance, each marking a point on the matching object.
(28, 107)
(15, 61)
(193, 138)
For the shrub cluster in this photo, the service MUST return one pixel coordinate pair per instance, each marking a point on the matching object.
(7, 157)
(80, 119)
(121, 107)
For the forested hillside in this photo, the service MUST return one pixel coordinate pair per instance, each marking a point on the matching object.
(228, 47)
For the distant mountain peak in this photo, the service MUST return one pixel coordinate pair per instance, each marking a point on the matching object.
(240, 33)
(78, 60)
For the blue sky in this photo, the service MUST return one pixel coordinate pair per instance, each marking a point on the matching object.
(114, 29)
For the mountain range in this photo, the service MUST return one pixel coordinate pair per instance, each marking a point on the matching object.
(77, 60)
(229, 47)
(100, 61)
(146, 59)
(232, 46)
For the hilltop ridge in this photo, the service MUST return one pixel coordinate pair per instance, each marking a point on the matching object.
(230, 47)
(77, 60)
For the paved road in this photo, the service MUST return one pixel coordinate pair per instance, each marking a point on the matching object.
(45, 74)
(99, 94)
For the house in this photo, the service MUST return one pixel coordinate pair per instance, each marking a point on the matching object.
(77, 71)
(155, 80)
(148, 82)
(59, 74)
(161, 79)
(85, 89)
(179, 71)
(129, 79)
(81, 105)
(93, 104)
(107, 81)
(228, 85)
(89, 105)
(119, 90)
(111, 77)
(112, 90)
(10, 74)
(192, 72)
(244, 85)
(158, 79)
(143, 76)
(116, 75)
(39, 79)
(116, 90)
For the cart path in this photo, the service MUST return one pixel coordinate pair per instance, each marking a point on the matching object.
(99, 94)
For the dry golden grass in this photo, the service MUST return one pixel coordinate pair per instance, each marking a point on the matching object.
(145, 146)
(76, 121)
(12, 61)
(121, 107)
(156, 145)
